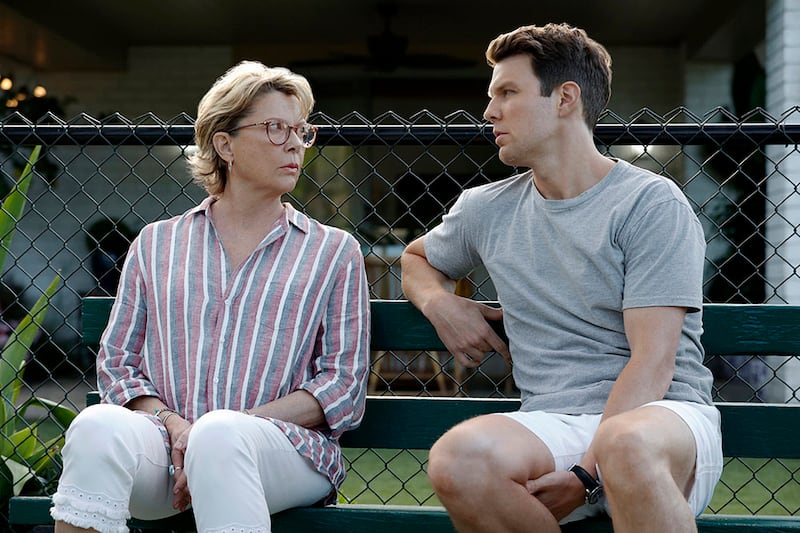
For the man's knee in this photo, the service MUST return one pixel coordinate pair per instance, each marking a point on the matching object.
(620, 440)
(628, 451)
(458, 458)
(484, 450)
(445, 462)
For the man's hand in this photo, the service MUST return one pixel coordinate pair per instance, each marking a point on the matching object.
(561, 492)
(459, 322)
(462, 325)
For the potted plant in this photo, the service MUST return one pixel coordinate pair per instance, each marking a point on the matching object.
(26, 455)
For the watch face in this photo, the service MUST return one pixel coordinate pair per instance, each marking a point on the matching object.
(594, 495)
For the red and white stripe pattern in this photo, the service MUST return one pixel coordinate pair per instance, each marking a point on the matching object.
(294, 315)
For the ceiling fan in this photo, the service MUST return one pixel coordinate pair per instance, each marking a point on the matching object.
(387, 51)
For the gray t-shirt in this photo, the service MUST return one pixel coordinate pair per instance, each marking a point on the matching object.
(564, 270)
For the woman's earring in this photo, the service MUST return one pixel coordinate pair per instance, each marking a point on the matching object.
(230, 166)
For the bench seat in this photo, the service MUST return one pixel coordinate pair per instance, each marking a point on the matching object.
(355, 518)
(750, 430)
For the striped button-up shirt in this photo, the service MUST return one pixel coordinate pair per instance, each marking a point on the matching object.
(200, 336)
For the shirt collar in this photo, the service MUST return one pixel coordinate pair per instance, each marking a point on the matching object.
(296, 218)
(203, 207)
(291, 215)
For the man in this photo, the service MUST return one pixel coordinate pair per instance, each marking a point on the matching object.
(598, 267)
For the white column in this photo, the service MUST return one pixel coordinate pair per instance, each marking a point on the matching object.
(783, 175)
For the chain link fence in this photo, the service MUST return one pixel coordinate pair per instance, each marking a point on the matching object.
(388, 180)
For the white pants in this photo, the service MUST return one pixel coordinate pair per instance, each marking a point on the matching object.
(240, 469)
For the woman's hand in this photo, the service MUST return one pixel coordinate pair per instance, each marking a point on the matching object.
(178, 430)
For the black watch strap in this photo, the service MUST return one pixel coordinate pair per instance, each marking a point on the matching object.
(594, 489)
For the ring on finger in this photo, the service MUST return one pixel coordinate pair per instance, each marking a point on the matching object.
(174, 469)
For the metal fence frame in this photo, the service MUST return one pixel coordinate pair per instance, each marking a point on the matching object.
(737, 144)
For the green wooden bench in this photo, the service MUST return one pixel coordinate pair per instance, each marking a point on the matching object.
(749, 430)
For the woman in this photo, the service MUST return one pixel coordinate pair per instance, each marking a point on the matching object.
(237, 350)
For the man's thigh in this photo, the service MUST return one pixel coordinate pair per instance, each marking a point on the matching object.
(500, 443)
(566, 437)
(684, 435)
(691, 436)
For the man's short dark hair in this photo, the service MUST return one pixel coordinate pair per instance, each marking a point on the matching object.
(560, 53)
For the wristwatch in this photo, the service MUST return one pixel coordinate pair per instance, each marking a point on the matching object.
(594, 489)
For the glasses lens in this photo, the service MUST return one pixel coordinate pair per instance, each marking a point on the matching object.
(308, 134)
(278, 132)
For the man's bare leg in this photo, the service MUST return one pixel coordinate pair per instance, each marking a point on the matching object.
(647, 459)
(479, 470)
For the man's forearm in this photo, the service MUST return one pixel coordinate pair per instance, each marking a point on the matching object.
(635, 387)
(421, 282)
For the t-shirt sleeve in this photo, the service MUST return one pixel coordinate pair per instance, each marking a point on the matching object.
(450, 246)
(664, 257)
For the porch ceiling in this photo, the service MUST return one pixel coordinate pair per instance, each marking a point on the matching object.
(54, 35)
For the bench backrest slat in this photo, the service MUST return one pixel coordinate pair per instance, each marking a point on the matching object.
(730, 329)
(415, 423)
(751, 329)
(95, 311)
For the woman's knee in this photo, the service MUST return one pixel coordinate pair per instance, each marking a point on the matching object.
(99, 427)
(217, 434)
(110, 438)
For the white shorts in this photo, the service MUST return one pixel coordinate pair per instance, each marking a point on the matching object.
(568, 437)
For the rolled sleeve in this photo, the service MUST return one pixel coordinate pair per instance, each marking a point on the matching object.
(119, 361)
(342, 365)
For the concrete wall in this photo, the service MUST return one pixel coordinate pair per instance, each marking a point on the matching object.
(783, 229)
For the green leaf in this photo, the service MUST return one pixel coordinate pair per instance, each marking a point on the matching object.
(45, 457)
(25, 443)
(10, 212)
(6, 445)
(20, 474)
(63, 415)
(6, 481)
(12, 358)
(23, 453)
(13, 205)
(26, 447)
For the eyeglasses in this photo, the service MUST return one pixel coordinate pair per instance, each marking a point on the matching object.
(278, 132)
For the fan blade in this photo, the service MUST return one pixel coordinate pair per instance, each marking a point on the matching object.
(333, 60)
(442, 61)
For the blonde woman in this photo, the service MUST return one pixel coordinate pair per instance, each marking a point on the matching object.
(237, 349)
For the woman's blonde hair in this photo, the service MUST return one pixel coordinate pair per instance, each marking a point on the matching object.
(229, 99)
